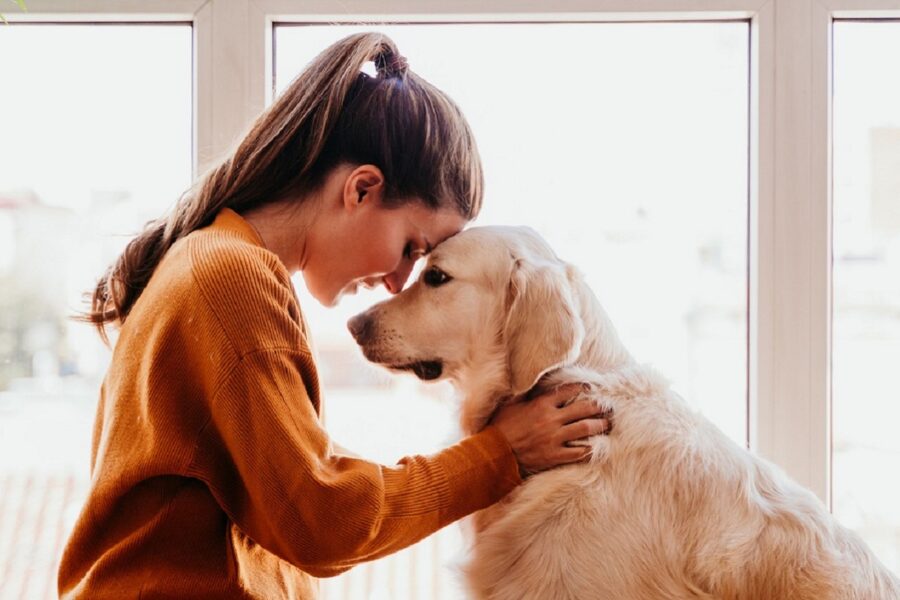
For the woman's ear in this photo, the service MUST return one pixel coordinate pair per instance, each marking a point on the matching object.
(365, 184)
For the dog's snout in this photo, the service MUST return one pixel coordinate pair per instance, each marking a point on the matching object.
(360, 328)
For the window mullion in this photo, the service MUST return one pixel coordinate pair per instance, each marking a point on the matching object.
(790, 291)
(230, 64)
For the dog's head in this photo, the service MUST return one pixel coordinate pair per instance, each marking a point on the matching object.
(493, 307)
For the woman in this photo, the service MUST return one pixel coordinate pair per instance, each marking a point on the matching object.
(212, 475)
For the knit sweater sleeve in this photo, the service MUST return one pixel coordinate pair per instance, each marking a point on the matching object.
(267, 461)
(266, 458)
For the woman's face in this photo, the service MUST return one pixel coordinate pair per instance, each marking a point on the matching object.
(364, 243)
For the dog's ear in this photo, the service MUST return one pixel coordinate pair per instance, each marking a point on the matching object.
(543, 327)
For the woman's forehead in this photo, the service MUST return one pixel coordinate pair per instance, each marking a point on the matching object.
(436, 225)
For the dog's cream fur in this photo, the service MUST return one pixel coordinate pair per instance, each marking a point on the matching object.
(668, 508)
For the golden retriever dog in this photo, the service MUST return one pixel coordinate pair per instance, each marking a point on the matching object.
(668, 507)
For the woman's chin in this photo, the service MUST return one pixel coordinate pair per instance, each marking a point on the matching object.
(331, 301)
(328, 300)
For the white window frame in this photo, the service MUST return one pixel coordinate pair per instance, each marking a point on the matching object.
(789, 346)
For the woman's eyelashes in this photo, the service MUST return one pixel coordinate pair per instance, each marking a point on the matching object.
(412, 253)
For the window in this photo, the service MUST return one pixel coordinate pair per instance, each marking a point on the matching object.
(96, 141)
(631, 161)
(866, 392)
(665, 143)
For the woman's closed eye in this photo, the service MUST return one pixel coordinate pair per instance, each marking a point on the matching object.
(411, 253)
(434, 277)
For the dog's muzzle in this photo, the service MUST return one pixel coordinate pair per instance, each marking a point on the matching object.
(362, 328)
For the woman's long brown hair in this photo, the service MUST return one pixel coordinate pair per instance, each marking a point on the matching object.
(332, 113)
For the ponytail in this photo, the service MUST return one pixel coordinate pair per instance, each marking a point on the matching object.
(331, 113)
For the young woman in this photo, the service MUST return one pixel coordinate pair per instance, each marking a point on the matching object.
(212, 476)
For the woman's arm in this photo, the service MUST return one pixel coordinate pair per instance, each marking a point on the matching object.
(266, 459)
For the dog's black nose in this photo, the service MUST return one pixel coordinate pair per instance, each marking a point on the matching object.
(360, 328)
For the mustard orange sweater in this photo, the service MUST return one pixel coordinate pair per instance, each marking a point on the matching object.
(212, 476)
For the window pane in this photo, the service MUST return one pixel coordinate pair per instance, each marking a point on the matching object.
(96, 140)
(625, 145)
(866, 327)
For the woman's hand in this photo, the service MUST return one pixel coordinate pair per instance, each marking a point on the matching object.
(539, 429)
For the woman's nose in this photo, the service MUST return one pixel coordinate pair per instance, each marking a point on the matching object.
(395, 280)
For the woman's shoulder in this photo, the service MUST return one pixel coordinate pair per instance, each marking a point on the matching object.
(247, 288)
(222, 257)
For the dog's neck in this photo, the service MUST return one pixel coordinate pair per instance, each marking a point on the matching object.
(485, 382)
(483, 386)
(602, 350)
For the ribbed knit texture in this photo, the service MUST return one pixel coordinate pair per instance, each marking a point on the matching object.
(211, 474)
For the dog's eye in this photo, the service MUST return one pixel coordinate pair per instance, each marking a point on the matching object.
(435, 277)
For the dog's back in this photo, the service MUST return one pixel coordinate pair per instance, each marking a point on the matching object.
(670, 508)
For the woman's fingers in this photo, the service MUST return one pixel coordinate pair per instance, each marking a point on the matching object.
(543, 430)
(574, 454)
(582, 410)
(583, 429)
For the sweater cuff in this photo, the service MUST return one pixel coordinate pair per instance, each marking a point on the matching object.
(480, 470)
